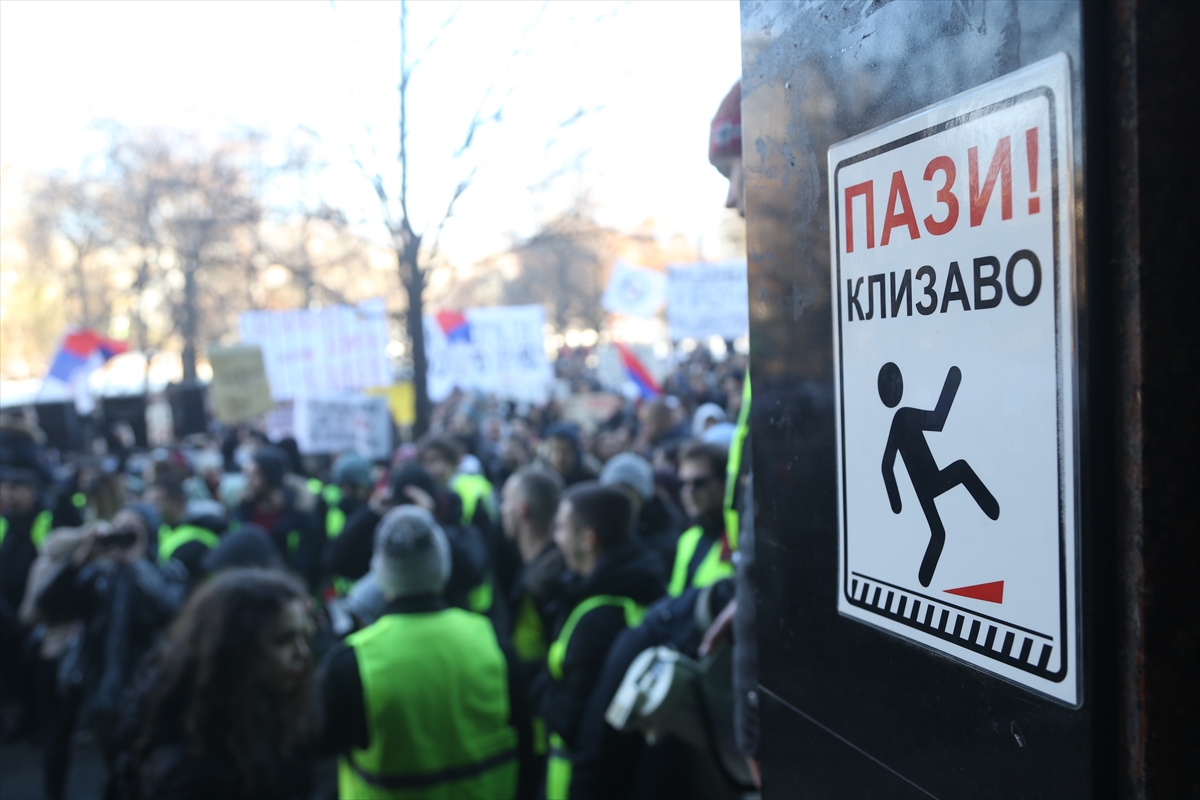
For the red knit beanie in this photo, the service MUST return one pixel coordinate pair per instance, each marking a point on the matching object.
(725, 139)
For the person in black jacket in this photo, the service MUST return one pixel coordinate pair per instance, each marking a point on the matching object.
(224, 705)
(274, 507)
(614, 578)
(349, 555)
(657, 522)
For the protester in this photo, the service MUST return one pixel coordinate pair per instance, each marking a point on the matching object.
(224, 707)
(113, 589)
(425, 702)
(282, 511)
(614, 578)
(657, 523)
(564, 454)
(529, 504)
(348, 490)
(703, 555)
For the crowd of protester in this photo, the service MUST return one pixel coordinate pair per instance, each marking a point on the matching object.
(516, 605)
(224, 613)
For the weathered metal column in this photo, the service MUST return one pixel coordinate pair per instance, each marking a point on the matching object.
(972, 232)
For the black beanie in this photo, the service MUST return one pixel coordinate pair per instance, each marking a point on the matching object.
(411, 474)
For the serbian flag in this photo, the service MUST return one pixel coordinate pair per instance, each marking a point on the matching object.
(79, 348)
(455, 326)
(638, 373)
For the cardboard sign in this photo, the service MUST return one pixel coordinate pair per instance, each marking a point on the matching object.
(334, 349)
(635, 291)
(239, 387)
(498, 350)
(706, 300)
(333, 425)
(954, 375)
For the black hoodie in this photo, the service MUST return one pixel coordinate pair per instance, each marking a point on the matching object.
(629, 570)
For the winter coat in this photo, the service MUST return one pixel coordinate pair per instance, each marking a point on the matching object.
(122, 608)
(629, 570)
(296, 532)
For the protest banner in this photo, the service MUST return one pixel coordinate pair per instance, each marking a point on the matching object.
(497, 350)
(635, 291)
(706, 300)
(339, 424)
(239, 387)
(589, 410)
(332, 349)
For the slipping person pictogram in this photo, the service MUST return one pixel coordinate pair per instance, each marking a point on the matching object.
(907, 437)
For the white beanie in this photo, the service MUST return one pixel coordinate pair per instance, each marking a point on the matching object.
(412, 554)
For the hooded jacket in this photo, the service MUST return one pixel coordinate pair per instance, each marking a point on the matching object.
(629, 570)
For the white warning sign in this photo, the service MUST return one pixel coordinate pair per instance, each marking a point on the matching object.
(954, 357)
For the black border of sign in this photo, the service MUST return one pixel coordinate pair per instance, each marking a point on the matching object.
(1048, 94)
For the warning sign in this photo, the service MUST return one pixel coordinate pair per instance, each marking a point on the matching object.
(954, 335)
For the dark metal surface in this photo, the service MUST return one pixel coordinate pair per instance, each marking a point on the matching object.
(851, 711)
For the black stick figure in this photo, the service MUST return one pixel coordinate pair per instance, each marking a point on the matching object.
(907, 437)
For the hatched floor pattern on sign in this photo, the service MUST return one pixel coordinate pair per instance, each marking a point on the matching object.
(1002, 641)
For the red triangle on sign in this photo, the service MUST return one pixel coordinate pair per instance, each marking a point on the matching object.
(991, 592)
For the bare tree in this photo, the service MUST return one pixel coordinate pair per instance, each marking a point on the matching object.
(417, 252)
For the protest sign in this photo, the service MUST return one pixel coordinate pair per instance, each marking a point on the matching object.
(401, 400)
(333, 425)
(497, 350)
(239, 387)
(589, 410)
(635, 291)
(329, 349)
(706, 300)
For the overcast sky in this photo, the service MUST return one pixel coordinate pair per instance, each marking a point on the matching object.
(657, 70)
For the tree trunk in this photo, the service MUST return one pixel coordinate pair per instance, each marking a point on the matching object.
(414, 284)
(188, 324)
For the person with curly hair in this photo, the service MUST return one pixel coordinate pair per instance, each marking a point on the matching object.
(225, 705)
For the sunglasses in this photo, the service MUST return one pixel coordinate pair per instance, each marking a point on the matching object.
(696, 483)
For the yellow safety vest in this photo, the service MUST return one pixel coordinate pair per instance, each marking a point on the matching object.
(558, 765)
(174, 539)
(711, 569)
(733, 467)
(37, 532)
(335, 518)
(435, 689)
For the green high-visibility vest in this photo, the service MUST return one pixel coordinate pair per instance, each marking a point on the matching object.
(558, 765)
(174, 539)
(37, 532)
(79, 499)
(733, 467)
(711, 569)
(314, 485)
(473, 489)
(435, 689)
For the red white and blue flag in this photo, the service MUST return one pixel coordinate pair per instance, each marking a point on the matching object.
(78, 349)
(455, 326)
(638, 373)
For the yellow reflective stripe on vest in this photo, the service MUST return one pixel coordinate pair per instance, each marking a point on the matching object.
(558, 650)
(182, 535)
(37, 532)
(314, 485)
(733, 469)
(480, 598)
(332, 494)
(529, 633)
(435, 692)
(335, 522)
(558, 765)
(558, 769)
(79, 499)
(710, 570)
